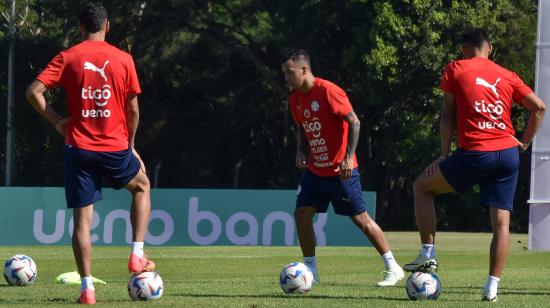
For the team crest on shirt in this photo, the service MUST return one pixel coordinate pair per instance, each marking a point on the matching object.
(315, 106)
(307, 114)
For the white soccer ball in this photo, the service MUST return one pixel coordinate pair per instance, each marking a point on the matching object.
(422, 286)
(20, 270)
(296, 277)
(146, 286)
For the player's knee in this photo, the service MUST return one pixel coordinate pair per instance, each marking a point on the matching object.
(501, 226)
(141, 184)
(417, 186)
(145, 185)
(420, 187)
(364, 222)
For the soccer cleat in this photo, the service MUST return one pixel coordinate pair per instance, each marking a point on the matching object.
(316, 278)
(138, 265)
(422, 264)
(391, 277)
(313, 269)
(489, 296)
(87, 297)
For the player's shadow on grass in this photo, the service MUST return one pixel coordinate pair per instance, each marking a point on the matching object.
(501, 291)
(284, 296)
(526, 292)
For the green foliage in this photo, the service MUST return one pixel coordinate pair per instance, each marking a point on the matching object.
(214, 110)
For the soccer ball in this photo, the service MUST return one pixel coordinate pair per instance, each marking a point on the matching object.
(146, 286)
(422, 286)
(20, 270)
(296, 277)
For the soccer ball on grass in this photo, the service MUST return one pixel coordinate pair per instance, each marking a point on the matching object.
(295, 278)
(421, 285)
(20, 270)
(145, 286)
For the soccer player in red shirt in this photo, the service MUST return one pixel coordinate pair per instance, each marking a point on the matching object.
(101, 87)
(327, 131)
(478, 96)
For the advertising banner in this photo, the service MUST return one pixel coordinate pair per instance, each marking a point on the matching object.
(38, 215)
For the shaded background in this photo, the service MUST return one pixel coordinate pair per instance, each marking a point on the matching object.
(214, 104)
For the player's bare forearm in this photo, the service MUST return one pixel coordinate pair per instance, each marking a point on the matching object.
(301, 142)
(35, 96)
(537, 108)
(353, 134)
(132, 118)
(301, 148)
(447, 123)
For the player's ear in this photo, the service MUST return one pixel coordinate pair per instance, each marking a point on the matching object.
(464, 51)
(490, 48)
(107, 26)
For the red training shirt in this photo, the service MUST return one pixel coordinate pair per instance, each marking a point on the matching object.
(97, 78)
(484, 92)
(320, 112)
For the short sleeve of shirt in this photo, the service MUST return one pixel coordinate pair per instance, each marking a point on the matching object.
(520, 89)
(338, 100)
(132, 81)
(447, 80)
(52, 75)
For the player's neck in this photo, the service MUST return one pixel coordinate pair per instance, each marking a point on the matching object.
(476, 53)
(483, 56)
(95, 37)
(308, 83)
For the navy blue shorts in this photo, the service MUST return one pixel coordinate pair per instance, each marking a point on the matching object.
(83, 171)
(496, 172)
(346, 196)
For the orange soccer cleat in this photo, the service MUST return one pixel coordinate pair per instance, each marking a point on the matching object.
(138, 265)
(87, 297)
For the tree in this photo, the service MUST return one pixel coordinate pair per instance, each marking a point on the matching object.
(214, 110)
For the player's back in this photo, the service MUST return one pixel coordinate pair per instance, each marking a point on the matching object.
(97, 78)
(484, 92)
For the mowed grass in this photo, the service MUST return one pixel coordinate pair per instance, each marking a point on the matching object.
(248, 276)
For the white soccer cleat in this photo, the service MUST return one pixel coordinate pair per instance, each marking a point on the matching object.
(489, 295)
(422, 264)
(316, 278)
(391, 277)
(313, 269)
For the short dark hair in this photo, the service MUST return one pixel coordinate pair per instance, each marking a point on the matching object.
(474, 38)
(92, 17)
(299, 55)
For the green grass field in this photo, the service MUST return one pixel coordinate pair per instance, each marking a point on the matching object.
(248, 276)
